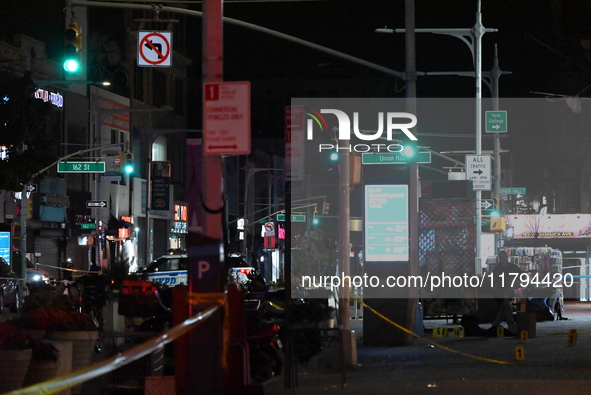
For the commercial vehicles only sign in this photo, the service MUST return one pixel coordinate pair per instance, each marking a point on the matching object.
(226, 118)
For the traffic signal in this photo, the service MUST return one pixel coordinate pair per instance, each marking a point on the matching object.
(72, 49)
(315, 219)
(491, 208)
(127, 162)
(410, 151)
(498, 224)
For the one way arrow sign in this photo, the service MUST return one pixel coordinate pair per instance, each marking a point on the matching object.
(96, 203)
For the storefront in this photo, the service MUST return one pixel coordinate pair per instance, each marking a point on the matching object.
(568, 233)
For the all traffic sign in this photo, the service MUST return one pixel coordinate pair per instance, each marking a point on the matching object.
(478, 169)
(96, 203)
(496, 121)
(154, 49)
(226, 118)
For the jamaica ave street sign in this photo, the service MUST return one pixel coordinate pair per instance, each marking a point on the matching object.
(96, 203)
(478, 169)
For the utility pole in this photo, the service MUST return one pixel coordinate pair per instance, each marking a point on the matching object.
(413, 193)
(495, 74)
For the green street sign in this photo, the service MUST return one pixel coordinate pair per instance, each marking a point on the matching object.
(391, 158)
(513, 191)
(88, 226)
(496, 121)
(294, 218)
(81, 167)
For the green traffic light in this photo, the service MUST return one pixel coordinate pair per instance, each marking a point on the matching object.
(128, 168)
(315, 221)
(334, 156)
(408, 151)
(71, 65)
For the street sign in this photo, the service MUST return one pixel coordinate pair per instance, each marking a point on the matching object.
(478, 169)
(293, 217)
(154, 49)
(486, 204)
(513, 191)
(96, 203)
(88, 226)
(31, 188)
(496, 121)
(226, 118)
(392, 158)
(269, 229)
(81, 167)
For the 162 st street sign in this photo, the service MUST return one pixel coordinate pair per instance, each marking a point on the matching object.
(81, 167)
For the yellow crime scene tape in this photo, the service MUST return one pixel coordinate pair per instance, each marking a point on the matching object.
(429, 341)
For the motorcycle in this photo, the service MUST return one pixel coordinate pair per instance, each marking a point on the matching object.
(263, 338)
(265, 353)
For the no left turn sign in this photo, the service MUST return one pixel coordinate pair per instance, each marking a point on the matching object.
(154, 49)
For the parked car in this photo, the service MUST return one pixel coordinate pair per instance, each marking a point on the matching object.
(172, 269)
(10, 295)
(35, 276)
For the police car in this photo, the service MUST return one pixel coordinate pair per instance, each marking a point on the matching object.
(172, 269)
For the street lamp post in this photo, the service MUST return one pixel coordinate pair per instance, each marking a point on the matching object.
(472, 37)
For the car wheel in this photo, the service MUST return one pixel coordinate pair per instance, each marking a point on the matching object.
(16, 305)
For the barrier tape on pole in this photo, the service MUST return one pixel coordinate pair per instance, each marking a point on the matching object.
(65, 268)
(212, 297)
(92, 371)
(429, 341)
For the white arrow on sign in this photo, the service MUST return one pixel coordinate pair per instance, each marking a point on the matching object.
(96, 203)
(31, 188)
(485, 204)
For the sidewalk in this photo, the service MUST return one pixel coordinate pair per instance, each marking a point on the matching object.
(549, 366)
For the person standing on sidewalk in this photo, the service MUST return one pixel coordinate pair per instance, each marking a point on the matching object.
(507, 271)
